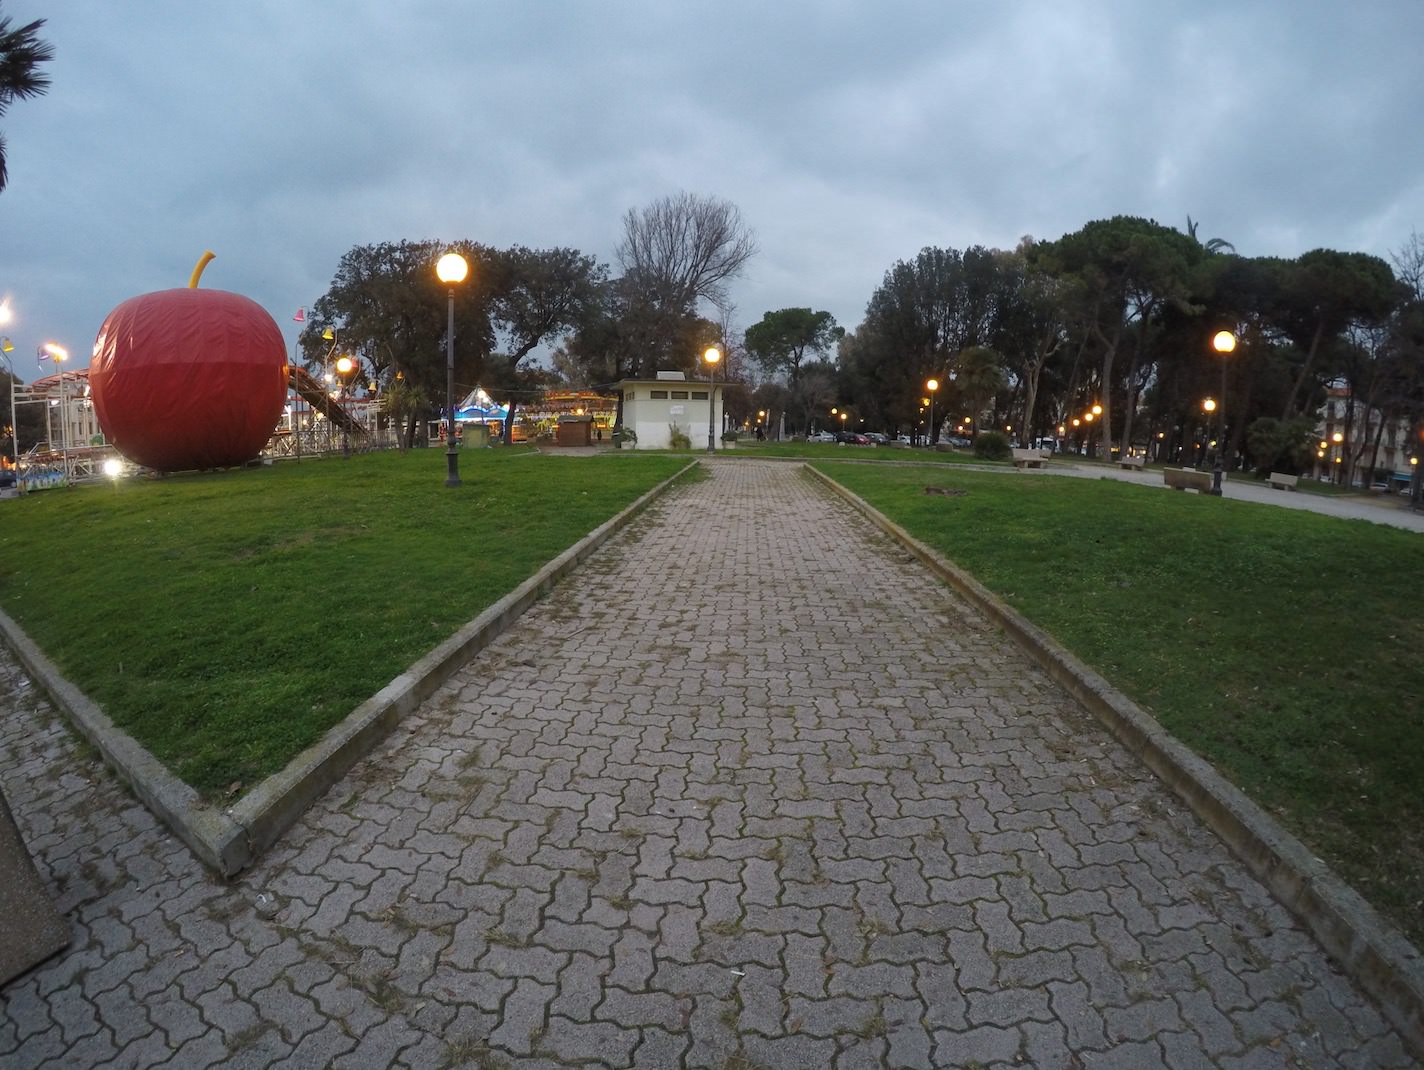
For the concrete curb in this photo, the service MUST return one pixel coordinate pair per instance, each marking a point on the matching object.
(231, 840)
(1368, 948)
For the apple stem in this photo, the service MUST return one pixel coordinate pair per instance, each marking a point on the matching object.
(198, 271)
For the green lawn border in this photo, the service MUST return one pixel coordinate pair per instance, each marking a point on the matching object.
(1370, 950)
(229, 840)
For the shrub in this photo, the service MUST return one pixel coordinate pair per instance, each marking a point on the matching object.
(729, 436)
(1281, 445)
(992, 446)
(678, 439)
(625, 434)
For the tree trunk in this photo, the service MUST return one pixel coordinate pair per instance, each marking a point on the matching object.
(1109, 355)
(1304, 370)
(1035, 370)
(508, 435)
(1385, 418)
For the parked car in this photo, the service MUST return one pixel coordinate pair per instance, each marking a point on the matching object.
(855, 438)
(822, 436)
(959, 442)
(877, 438)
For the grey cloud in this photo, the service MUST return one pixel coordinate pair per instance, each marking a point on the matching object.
(849, 134)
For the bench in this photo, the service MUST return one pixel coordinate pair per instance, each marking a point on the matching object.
(1187, 479)
(1028, 458)
(1281, 481)
(1130, 463)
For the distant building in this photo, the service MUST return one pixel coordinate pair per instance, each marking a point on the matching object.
(653, 408)
(1373, 450)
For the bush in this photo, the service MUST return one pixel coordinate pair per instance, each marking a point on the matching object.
(1281, 445)
(729, 436)
(625, 435)
(992, 446)
(678, 439)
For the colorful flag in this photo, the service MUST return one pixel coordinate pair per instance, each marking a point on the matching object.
(301, 316)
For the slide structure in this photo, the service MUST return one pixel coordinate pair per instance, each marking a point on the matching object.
(314, 394)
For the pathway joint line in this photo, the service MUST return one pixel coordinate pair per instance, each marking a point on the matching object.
(1375, 954)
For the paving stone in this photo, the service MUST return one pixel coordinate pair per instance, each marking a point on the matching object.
(740, 821)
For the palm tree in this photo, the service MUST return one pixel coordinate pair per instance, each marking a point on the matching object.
(21, 53)
(1213, 246)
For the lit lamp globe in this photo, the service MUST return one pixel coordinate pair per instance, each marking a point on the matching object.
(1209, 405)
(451, 268)
(1223, 342)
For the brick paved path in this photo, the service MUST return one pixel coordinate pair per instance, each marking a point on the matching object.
(750, 790)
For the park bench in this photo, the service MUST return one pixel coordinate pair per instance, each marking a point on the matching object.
(1281, 481)
(1028, 458)
(1131, 463)
(1187, 479)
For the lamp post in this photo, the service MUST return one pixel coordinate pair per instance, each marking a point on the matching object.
(932, 385)
(1224, 342)
(344, 367)
(712, 356)
(7, 347)
(60, 355)
(1209, 406)
(1339, 439)
(451, 269)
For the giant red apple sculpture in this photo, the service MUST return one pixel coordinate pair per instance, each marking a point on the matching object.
(188, 378)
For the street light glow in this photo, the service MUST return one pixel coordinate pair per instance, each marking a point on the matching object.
(1209, 404)
(932, 385)
(344, 364)
(451, 268)
(5, 314)
(1223, 342)
(713, 355)
(55, 350)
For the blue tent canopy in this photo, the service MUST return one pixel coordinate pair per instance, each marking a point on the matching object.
(477, 412)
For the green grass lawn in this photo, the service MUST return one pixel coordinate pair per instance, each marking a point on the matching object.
(1282, 646)
(227, 620)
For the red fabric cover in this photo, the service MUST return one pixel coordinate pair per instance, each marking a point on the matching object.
(188, 378)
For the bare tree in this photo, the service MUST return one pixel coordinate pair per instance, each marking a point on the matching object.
(685, 247)
(1408, 262)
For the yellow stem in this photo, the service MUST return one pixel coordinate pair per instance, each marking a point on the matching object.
(198, 271)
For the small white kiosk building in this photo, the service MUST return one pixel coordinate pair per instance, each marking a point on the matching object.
(652, 408)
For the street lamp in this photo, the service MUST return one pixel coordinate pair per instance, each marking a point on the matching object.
(60, 355)
(450, 269)
(932, 385)
(1224, 342)
(1338, 438)
(7, 347)
(712, 356)
(344, 367)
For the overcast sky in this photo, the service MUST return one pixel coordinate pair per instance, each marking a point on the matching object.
(280, 134)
